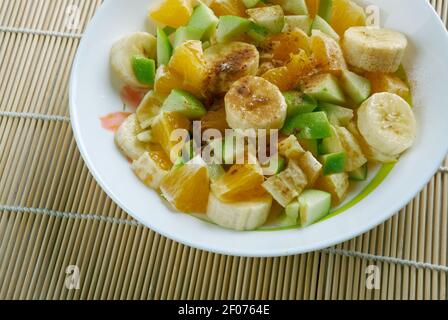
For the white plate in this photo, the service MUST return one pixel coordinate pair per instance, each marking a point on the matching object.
(92, 96)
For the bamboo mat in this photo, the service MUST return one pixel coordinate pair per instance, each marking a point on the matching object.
(53, 214)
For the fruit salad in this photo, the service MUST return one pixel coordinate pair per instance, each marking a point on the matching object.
(249, 109)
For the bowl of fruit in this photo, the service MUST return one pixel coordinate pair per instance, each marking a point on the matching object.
(261, 128)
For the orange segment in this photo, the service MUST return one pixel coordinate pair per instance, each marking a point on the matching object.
(382, 82)
(241, 182)
(164, 124)
(173, 13)
(313, 7)
(187, 188)
(327, 53)
(282, 45)
(346, 14)
(215, 120)
(189, 63)
(159, 156)
(166, 81)
(289, 76)
(228, 8)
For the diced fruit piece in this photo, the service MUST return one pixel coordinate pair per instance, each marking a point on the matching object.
(322, 25)
(228, 8)
(299, 103)
(326, 9)
(271, 18)
(311, 166)
(358, 88)
(313, 7)
(292, 211)
(310, 145)
(149, 108)
(189, 63)
(230, 27)
(169, 30)
(333, 163)
(250, 3)
(242, 182)
(301, 22)
(355, 156)
(244, 215)
(257, 32)
(215, 171)
(215, 119)
(203, 19)
(287, 77)
(173, 13)
(187, 188)
(325, 88)
(290, 148)
(314, 205)
(383, 82)
(228, 62)
(287, 185)
(293, 6)
(164, 48)
(281, 46)
(327, 53)
(314, 125)
(126, 138)
(145, 136)
(359, 174)
(184, 103)
(166, 80)
(331, 144)
(162, 127)
(338, 116)
(144, 69)
(152, 166)
(336, 184)
(346, 14)
(186, 33)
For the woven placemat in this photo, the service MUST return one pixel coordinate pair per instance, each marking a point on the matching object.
(55, 221)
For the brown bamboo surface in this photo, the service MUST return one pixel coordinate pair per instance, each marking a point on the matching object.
(53, 214)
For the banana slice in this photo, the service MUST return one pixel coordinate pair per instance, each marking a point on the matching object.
(138, 43)
(126, 138)
(148, 171)
(247, 215)
(255, 103)
(387, 123)
(230, 62)
(374, 49)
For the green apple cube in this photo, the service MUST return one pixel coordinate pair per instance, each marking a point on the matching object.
(215, 171)
(257, 32)
(164, 48)
(326, 9)
(250, 3)
(338, 116)
(322, 25)
(295, 7)
(184, 103)
(359, 174)
(144, 69)
(272, 18)
(358, 88)
(324, 88)
(302, 22)
(310, 145)
(314, 205)
(331, 144)
(292, 211)
(333, 163)
(314, 125)
(298, 103)
(186, 33)
(230, 27)
(204, 19)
